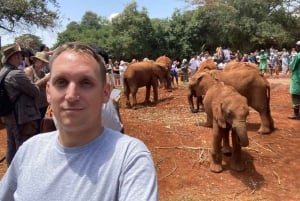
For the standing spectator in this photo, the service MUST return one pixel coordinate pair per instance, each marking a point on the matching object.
(45, 49)
(245, 58)
(122, 68)
(29, 51)
(36, 75)
(82, 160)
(116, 73)
(22, 123)
(274, 63)
(174, 72)
(184, 70)
(252, 58)
(295, 83)
(284, 61)
(227, 55)
(193, 64)
(109, 73)
(263, 62)
(19, 43)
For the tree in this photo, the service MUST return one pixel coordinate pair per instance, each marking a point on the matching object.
(133, 34)
(23, 14)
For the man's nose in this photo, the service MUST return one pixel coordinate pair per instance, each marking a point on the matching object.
(72, 92)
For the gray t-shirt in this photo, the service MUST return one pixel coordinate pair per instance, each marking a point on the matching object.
(112, 167)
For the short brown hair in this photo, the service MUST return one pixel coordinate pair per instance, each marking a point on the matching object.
(80, 48)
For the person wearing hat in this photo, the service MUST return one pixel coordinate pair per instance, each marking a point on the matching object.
(263, 62)
(36, 74)
(295, 83)
(21, 123)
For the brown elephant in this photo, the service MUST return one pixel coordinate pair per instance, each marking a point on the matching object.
(208, 64)
(228, 111)
(247, 82)
(142, 74)
(165, 60)
(238, 64)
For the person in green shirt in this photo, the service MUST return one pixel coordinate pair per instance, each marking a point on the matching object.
(263, 62)
(295, 83)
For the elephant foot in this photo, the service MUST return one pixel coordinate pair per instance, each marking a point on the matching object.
(227, 150)
(237, 166)
(201, 109)
(262, 130)
(146, 103)
(204, 124)
(194, 110)
(217, 168)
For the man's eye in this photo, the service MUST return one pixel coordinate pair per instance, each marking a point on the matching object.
(60, 83)
(86, 83)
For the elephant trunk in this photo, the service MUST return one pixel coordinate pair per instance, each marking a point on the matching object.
(239, 126)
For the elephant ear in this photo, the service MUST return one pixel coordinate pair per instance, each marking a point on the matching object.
(218, 114)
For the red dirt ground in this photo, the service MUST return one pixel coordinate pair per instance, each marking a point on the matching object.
(180, 147)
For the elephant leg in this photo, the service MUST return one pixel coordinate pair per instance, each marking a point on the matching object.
(155, 93)
(134, 100)
(191, 103)
(200, 104)
(236, 162)
(267, 123)
(147, 98)
(127, 95)
(216, 153)
(226, 149)
(263, 108)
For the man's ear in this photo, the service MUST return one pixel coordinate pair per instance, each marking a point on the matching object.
(106, 92)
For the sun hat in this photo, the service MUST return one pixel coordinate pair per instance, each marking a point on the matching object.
(41, 56)
(122, 63)
(9, 51)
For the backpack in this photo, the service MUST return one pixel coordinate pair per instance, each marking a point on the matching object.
(6, 105)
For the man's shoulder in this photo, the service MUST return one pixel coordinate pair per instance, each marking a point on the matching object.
(41, 139)
(124, 139)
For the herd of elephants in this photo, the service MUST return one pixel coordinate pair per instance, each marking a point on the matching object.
(225, 96)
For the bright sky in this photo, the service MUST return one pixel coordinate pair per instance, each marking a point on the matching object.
(74, 11)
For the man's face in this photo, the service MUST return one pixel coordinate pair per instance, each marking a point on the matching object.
(19, 58)
(75, 91)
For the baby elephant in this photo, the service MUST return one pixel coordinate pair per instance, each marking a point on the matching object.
(227, 110)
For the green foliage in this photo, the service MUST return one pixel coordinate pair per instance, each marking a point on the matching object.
(239, 24)
(20, 14)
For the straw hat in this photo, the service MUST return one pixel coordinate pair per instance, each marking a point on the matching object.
(41, 56)
(122, 63)
(9, 51)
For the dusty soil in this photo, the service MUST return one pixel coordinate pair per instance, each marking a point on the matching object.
(180, 148)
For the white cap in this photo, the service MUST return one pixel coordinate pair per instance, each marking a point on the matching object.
(298, 42)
